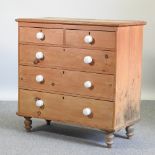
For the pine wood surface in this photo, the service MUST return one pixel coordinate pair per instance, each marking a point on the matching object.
(52, 36)
(67, 109)
(75, 21)
(68, 58)
(128, 75)
(71, 82)
(115, 72)
(102, 39)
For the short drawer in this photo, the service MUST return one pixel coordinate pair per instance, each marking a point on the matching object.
(90, 39)
(41, 35)
(93, 85)
(68, 58)
(66, 109)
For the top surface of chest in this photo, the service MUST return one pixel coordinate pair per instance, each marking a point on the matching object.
(76, 21)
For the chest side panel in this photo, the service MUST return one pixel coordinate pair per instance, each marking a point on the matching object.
(128, 75)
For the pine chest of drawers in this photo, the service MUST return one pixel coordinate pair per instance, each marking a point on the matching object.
(80, 72)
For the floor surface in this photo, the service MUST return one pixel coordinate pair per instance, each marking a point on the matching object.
(59, 139)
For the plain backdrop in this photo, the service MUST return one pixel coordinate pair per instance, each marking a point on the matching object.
(105, 9)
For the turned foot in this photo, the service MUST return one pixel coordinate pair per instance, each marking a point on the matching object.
(129, 131)
(28, 123)
(109, 139)
(48, 122)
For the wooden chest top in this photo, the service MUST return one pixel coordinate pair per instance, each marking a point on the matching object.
(76, 21)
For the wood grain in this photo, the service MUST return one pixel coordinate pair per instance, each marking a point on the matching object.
(102, 22)
(67, 26)
(115, 72)
(122, 56)
(102, 39)
(68, 58)
(135, 73)
(67, 109)
(67, 81)
(128, 75)
(52, 36)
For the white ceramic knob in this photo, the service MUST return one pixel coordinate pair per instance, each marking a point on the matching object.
(88, 39)
(39, 103)
(88, 59)
(87, 111)
(40, 35)
(87, 84)
(39, 78)
(39, 55)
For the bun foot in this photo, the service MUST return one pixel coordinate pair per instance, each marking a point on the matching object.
(109, 145)
(48, 122)
(129, 131)
(109, 139)
(28, 124)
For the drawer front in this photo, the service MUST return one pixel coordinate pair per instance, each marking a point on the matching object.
(66, 109)
(73, 82)
(41, 35)
(68, 58)
(99, 39)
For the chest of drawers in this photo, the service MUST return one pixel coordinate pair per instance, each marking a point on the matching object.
(80, 72)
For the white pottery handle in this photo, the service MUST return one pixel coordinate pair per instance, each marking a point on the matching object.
(39, 55)
(88, 59)
(87, 111)
(40, 35)
(87, 84)
(88, 39)
(39, 78)
(39, 103)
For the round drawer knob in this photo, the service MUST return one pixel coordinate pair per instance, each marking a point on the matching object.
(87, 111)
(88, 59)
(87, 84)
(88, 39)
(40, 35)
(39, 78)
(39, 55)
(39, 103)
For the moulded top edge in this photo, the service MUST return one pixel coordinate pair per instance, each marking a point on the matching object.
(75, 21)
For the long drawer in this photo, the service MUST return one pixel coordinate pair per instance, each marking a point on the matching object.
(41, 35)
(90, 39)
(68, 58)
(94, 85)
(66, 109)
